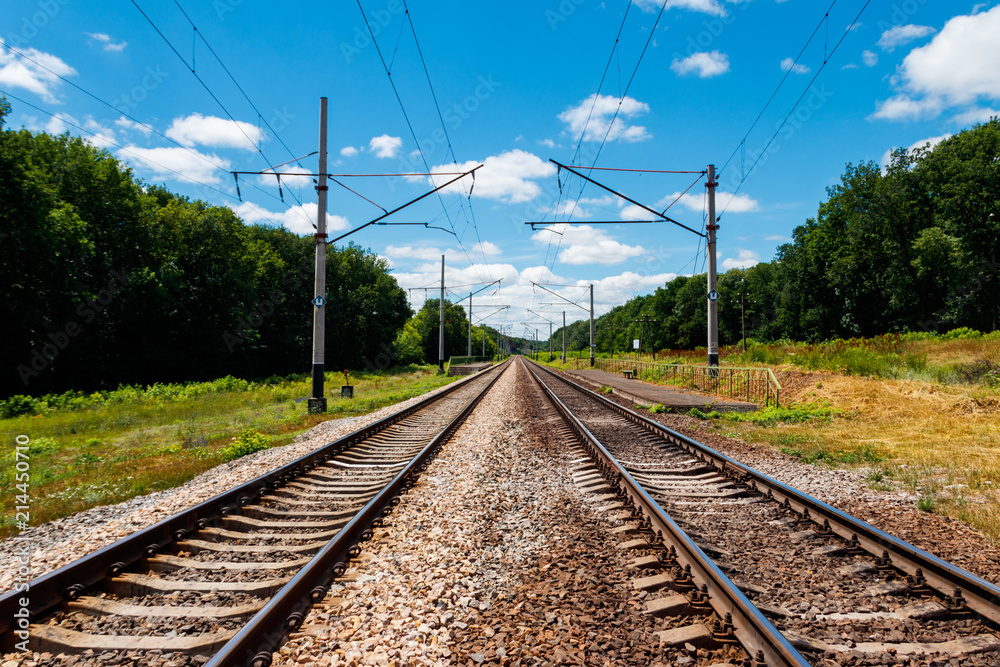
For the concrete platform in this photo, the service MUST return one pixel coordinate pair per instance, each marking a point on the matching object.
(675, 398)
(469, 369)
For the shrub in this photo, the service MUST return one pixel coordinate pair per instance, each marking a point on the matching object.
(657, 409)
(15, 406)
(247, 442)
(961, 333)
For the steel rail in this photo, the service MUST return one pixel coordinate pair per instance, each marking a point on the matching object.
(977, 594)
(69, 581)
(751, 627)
(285, 611)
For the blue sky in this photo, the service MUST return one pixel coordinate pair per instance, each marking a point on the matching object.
(517, 84)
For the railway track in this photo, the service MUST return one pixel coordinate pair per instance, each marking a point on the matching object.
(794, 580)
(225, 582)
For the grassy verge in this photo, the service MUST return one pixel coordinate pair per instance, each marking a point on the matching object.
(939, 442)
(95, 449)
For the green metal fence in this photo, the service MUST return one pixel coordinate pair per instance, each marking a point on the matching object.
(753, 385)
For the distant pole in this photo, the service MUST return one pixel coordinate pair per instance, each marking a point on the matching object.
(499, 354)
(713, 306)
(550, 340)
(317, 403)
(591, 324)
(743, 312)
(469, 352)
(441, 325)
(564, 337)
(484, 339)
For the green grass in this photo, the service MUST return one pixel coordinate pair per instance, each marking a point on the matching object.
(98, 449)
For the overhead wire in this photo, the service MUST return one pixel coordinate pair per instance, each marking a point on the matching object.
(444, 126)
(409, 125)
(586, 124)
(807, 88)
(622, 95)
(215, 97)
(788, 72)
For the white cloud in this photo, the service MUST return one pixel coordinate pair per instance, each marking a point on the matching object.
(108, 43)
(744, 260)
(166, 163)
(297, 219)
(929, 143)
(581, 209)
(732, 203)
(548, 143)
(902, 107)
(583, 244)
(385, 146)
(486, 248)
(901, 35)
(516, 289)
(713, 7)
(976, 115)
(870, 58)
(213, 131)
(16, 72)
(506, 177)
(704, 64)
(788, 64)
(101, 137)
(600, 109)
(738, 203)
(778, 237)
(409, 252)
(130, 125)
(960, 67)
(349, 151)
(288, 177)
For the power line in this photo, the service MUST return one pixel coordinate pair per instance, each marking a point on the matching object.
(204, 85)
(614, 117)
(788, 72)
(260, 116)
(795, 106)
(409, 125)
(444, 126)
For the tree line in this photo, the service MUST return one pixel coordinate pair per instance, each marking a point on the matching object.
(109, 280)
(912, 247)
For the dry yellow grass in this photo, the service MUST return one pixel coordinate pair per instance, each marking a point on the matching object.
(941, 442)
(958, 352)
